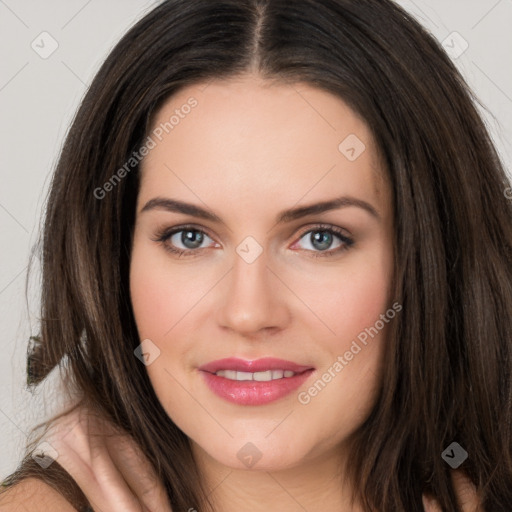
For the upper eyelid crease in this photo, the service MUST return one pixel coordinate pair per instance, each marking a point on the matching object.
(173, 205)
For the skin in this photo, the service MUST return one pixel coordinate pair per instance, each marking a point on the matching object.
(249, 150)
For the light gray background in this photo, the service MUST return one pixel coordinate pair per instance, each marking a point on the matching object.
(38, 98)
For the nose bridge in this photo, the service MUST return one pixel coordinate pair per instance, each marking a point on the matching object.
(249, 280)
(250, 302)
(249, 269)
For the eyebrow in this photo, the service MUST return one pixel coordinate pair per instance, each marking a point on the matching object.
(173, 205)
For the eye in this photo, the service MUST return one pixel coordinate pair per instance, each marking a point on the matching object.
(188, 240)
(182, 240)
(322, 237)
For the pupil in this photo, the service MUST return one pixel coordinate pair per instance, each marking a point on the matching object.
(325, 240)
(192, 239)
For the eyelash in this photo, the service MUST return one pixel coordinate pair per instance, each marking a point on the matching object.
(163, 235)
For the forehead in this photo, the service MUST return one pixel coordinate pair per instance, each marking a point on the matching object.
(248, 137)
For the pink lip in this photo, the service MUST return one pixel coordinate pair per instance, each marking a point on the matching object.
(252, 392)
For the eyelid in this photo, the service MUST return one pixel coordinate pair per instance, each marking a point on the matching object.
(318, 226)
(347, 240)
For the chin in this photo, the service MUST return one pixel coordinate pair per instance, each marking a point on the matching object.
(256, 454)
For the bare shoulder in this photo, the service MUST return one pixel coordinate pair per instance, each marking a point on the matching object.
(34, 495)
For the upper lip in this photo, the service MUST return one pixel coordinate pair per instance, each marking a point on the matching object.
(257, 365)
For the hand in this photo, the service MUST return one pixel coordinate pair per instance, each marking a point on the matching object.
(466, 495)
(111, 470)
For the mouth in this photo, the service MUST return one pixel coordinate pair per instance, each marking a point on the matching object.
(256, 382)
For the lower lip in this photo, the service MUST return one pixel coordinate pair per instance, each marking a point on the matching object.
(251, 392)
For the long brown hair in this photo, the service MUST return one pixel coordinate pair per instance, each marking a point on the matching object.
(448, 369)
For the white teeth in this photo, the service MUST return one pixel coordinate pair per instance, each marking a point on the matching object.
(257, 376)
(243, 375)
(263, 376)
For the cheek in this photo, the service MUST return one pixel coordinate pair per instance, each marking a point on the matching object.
(356, 308)
(360, 303)
(159, 296)
(151, 300)
(351, 297)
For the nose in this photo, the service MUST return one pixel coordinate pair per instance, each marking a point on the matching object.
(254, 299)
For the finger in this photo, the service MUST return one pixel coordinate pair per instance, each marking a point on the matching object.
(138, 473)
(86, 459)
(131, 463)
(114, 491)
(99, 479)
(430, 504)
(466, 492)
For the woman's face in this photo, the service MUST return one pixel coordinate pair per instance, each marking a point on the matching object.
(255, 282)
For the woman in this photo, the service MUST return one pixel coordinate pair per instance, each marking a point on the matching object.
(337, 333)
